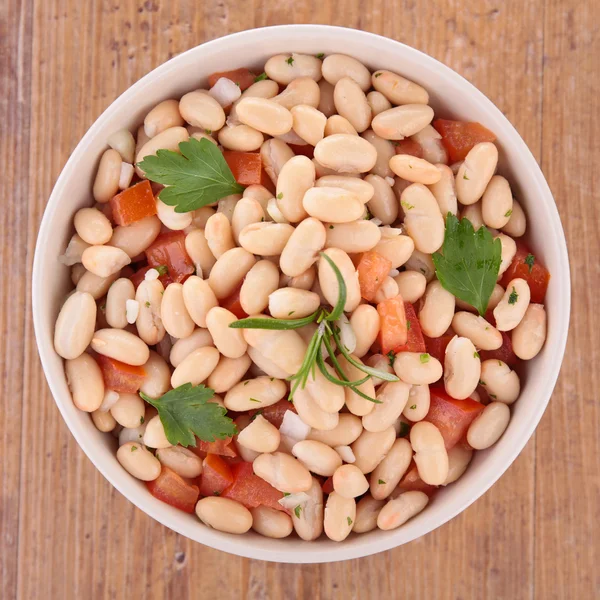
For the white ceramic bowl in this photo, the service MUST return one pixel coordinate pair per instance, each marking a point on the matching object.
(451, 96)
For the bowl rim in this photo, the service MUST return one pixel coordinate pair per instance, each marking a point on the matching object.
(233, 544)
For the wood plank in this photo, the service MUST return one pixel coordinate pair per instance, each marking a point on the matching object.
(568, 473)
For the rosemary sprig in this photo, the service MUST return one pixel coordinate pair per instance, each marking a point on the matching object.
(327, 331)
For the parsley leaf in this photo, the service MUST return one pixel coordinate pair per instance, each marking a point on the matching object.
(391, 357)
(349, 521)
(469, 263)
(297, 511)
(381, 482)
(320, 56)
(162, 270)
(185, 411)
(424, 358)
(512, 299)
(530, 261)
(261, 77)
(196, 177)
(290, 61)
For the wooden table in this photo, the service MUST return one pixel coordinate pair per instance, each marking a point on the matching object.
(66, 533)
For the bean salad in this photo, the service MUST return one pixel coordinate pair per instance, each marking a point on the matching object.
(300, 299)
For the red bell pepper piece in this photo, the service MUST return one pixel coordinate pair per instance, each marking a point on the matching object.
(526, 266)
(409, 146)
(174, 490)
(459, 137)
(504, 353)
(245, 166)
(372, 270)
(243, 77)
(168, 249)
(119, 376)
(436, 347)
(275, 413)
(393, 330)
(133, 204)
(216, 476)
(232, 304)
(415, 341)
(413, 482)
(220, 447)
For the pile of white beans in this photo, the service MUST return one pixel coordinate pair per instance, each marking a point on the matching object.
(269, 244)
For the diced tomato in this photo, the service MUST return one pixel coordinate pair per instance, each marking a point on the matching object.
(245, 166)
(372, 270)
(437, 346)
(393, 331)
(232, 304)
(250, 490)
(266, 182)
(413, 482)
(169, 250)
(415, 341)
(458, 137)
(243, 77)
(133, 204)
(536, 275)
(216, 476)
(504, 353)
(452, 417)
(220, 447)
(119, 376)
(409, 146)
(305, 150)
(171, 488)
(327, 486)
(275, 413)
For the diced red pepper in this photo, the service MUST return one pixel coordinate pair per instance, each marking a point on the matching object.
(436, 347)
(504, 353)
(275, 413)
(327, 486)
(267, 182)
(245, 166)
(133, 204)
(250, 490)
(413, 482)
(168, 249)
(536, 275)
(458, 137)
(232, 304)
(372, 270)
(452, 417)
(220, 447)
(415, 341)
(173, 489)
(119, 376)
(243, 77)
(393, 331)
(216, 476)
(305, 150)
(409, 146)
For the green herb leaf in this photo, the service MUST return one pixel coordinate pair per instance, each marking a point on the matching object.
(216, 493)
(530, 261)
(413, 407)
(196, 177)
(147, 304)
(378, 75)
(290, 61)
(476, 355)
(392, 355)
(512, 299)
(285, 494)
(185, 411)
(424, 358)
(280, 196)
(261, 77)
(255, 400)
(277, 324)
(508, 213)
(349, 521)
(320, 56)
(408, 325)
(134, 448)
(469, 262)
(297, 511)
(381, 482)
(162, 270)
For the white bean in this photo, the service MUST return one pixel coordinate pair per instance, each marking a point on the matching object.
(419, 400)
(75, 325)
(371, 448)
(302, 90)
(444, 190)
(431, 145)
(462, 368)
(181, 460)
(118, 294)
(397, 89)
(417, 368)
(339, 517)
(397, 249)
(135, 238)
(103, 421)
(500, 381)
(198, 298)
(333, 205)
(509, 249)
(308, 524)
(202, 110)
(459, 458)
(393, 396)
(85, 381)
(196, 367)
(354, 237)
(274, 154)
(317, 457)
(422, 263)
(381, 363)
(488, 427)
(265, 239)
(219, 235)
(430, 457)
(511, 309)
(260, 436)
(129, 410)
(228, 373)
(229, 271)
(529, 335)
(383, 205)
(328, 281)
(360, 188)
(169, 139)
(149, 295)
(476, 172)
(411, 285)
(478, 330)
(346, 153)
(437, 310)
(123, 142)
(349, 481)
(309, 123)
(338, 124)
(92, 226)
(378, 103)
(402, 121)
(367, 511)
(291, 303)
(120, 345)
(158, 376)
(138, 461)
(391, 469)
(497, 202)
(270, 522)
(517, 223)
(264, 115)
(261, 280)
(312, 414)
(388, 289)
(200, 338)
(199, 251)
(154, 435)
(365, 322)
(266, 88)
(94, 285)
(224, 514)
(161, 117)
(423, 219)
(230, 342)
(174, 314)
(399, 510)
(240, 138)
(283, 472)
(351, 103)
(347, 430)
(250, 394)
(106, 183)
(385, 151)
(284, 68)
(337, 66)
(473, 214)
(415, 169)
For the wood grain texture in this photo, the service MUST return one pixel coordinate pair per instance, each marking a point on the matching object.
(66, 533)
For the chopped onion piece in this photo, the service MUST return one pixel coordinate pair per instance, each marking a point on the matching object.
(151, 275)
(135, 434)
(294, 427)
(110, 399)
(390, 181)
(74, 250)
(345, 453)
(126, 175)
(274, 211)
(232, 117)
(132, 309)
(376, 221)
(290, 502)
(391, 231)
(225, 92)
(347, 335)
